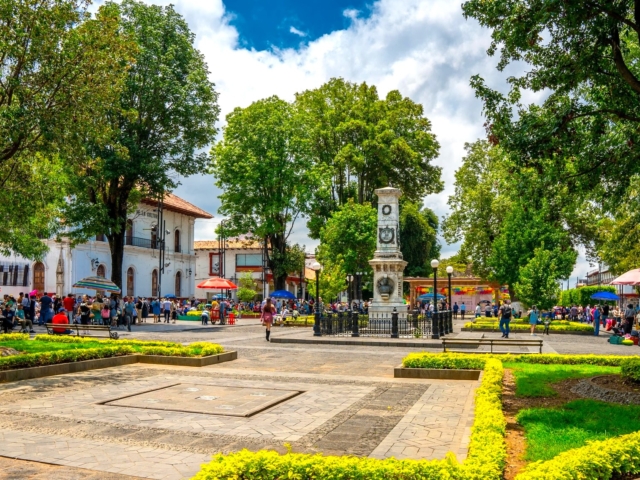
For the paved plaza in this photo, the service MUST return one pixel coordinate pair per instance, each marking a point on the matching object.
(163, 422)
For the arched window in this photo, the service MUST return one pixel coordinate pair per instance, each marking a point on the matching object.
(128, 234)
(178, 284)
(177, 247)
(38, 277)
(154, 283)
(130, 279)
(101, 271)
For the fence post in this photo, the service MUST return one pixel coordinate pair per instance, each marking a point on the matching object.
(450, 321)
(394, 323)
(435, 330)
(354, 331)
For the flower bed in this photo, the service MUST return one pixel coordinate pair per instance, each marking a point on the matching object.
(555, 326)
(486, 459)
(96, 348)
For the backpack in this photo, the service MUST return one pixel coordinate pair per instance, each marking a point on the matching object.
(506, 311)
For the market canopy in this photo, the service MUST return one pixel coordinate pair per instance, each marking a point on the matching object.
(605, 296)
(282, 294)
(632, 277)
(97, 283)
(217, 283)
(425, 297)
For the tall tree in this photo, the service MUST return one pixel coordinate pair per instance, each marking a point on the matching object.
(537, 280)
(418, 238)
(165, 115)
(364, 142)
(583, 140)
(60, 68)
(264, 169)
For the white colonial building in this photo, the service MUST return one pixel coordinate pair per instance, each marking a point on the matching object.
(63, 266)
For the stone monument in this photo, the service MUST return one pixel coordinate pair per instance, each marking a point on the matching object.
(387, 263)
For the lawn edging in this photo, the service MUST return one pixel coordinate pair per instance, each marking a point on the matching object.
(114, 361)
(436, 373)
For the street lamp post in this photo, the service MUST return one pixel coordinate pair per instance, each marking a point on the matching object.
(316, 267)
(349, 285)
(449, 315)
(435, 330)
(359, 276)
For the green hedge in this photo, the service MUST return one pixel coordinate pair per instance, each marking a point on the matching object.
(76, 339)
(615, 457)
(471, 360)
(582, 295)
(62, 356)
(486, 459)
(630, 369)
(555, 326)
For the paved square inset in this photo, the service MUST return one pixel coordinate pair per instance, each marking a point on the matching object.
(207, 399)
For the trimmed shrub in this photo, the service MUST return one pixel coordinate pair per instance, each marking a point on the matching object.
(106, 341)
(554, 326)
(62, 356)
(14, 337)
(619, 457)
(630, 369)
(448, 361)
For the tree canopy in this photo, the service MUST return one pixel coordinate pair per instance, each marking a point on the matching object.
(418, 238)
(165, 115)
(266, 175)
(361, 142)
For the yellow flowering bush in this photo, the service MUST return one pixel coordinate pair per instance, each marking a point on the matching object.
(62, 356)
(604, 459)
(13, 337)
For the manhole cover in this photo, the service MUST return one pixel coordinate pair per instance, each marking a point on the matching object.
(208, 399)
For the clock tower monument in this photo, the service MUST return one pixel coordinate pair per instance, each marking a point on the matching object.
(387, 263)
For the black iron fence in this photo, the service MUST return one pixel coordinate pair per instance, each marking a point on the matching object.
(410, 325)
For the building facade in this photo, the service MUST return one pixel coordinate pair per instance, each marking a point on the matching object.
(142, 273)
(230, 258)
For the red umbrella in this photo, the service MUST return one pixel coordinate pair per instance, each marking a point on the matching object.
(632, 277)
(217, 283)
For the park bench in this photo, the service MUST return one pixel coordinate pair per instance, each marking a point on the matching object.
(476, 342)
(81, 330)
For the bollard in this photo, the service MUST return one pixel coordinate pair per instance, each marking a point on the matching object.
(435, 328)
(355, 332)
(394, 323)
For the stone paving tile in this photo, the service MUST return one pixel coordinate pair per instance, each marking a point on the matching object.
(101, 456)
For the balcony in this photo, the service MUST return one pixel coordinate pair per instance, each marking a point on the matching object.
(140, 242)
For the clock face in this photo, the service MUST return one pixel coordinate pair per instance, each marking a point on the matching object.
(386, 209)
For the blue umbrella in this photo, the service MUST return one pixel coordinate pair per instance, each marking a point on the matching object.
(426, 297)
(171, 295)
(606, 296)
(282, 294)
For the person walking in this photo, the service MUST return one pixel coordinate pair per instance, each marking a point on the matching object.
(267, 316)
(505, 319)
(534, 315)
(69, 303)
(629, 315)
(455, 310)
(597, 318)
(129, 308)
(46, 314)
(166, 306)
(155, 309)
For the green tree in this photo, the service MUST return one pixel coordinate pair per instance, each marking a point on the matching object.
(247, 287)
(537, 284)
(349, 237)
(165, 116)
(418, 238)
(332, 281)
(59, 69)
(583, 140)
(267, 178)
(362, 142)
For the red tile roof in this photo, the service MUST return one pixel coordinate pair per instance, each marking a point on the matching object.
(176, 204)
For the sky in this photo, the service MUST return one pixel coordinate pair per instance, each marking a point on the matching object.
(425, 49)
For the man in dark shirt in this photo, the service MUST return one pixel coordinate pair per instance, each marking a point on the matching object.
(46, 314)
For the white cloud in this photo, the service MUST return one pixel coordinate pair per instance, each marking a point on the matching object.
(297, 32)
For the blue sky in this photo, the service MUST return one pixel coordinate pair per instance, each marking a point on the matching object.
(263, 25)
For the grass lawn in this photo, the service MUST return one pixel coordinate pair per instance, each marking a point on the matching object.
(532, 380)
(550, 431)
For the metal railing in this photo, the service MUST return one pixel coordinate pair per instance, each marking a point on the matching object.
(140, 242)
(413, 325)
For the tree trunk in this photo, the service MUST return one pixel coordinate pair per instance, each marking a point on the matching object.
(116, 245)
(278, 252)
